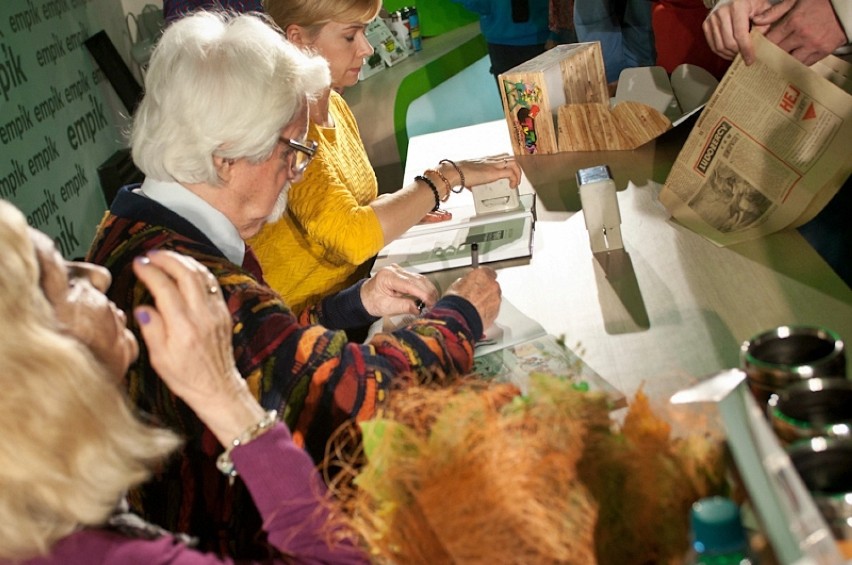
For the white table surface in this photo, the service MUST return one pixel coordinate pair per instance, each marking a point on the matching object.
(673, 309)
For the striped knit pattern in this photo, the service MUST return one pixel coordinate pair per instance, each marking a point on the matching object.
(312, 375)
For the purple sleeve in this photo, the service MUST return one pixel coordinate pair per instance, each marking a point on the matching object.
(289, 494)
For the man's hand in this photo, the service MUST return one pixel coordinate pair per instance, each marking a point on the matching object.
(480, 288)
(807, 29)
(393, 290)
(727, 27)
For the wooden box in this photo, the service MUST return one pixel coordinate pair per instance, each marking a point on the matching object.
(559, 101)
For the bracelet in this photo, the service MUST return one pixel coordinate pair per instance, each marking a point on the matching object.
(224, 463)
(446, 195)
(459, 171)
(434, 188)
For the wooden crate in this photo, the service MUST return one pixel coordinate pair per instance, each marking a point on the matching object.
(559, 101)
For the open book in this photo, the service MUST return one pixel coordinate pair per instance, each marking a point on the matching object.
(426, 248)
(769, 150)
(516, 346)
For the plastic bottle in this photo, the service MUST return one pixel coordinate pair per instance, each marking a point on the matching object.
(717, 534)
(401, 31)
(414, 28)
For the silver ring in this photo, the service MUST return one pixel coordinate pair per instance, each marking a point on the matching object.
(212, 289)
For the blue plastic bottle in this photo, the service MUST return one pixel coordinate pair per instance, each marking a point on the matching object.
(718, 536)
(414, 28)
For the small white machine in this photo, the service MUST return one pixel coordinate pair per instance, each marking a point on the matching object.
(600, 208)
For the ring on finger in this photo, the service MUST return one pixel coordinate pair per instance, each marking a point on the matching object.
(213, 289)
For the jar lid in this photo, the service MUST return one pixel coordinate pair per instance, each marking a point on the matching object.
(716, 526)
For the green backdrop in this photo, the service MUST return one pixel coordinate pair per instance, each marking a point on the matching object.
(436, 16)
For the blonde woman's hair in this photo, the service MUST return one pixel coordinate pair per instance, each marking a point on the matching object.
(71, 446)
(313, 14)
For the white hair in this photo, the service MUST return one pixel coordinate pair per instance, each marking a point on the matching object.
(220, 84)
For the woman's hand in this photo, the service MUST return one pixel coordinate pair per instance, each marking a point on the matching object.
(484, 170)
(437, 216)
(188, 334)
(481, 289)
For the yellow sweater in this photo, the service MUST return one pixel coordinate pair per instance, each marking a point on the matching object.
(329, 229)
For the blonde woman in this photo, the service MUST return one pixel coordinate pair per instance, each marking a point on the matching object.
(72, 447)
(335, 221)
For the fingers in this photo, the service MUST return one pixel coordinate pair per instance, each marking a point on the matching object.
(393, 290)
(481, 289)
(400, 282)
(727, 28)
(491, 168)
(774, 13)
(163, 273)
(436, 216)
(184, 292)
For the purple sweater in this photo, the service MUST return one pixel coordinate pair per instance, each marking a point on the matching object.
(287, 491)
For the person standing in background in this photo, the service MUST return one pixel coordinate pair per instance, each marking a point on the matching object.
(515, 30)
(679, 39)
(624, 30)
(561, 23)
(807, 29)
(174, 9)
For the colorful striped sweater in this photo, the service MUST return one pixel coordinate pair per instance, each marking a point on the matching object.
(312, 375)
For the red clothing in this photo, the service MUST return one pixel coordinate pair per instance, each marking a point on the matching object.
(679, 39)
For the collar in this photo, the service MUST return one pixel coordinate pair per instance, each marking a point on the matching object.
(210, 221)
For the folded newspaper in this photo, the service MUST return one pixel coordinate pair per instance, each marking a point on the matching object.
(772, 146)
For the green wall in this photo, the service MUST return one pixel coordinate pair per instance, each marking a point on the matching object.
(436, 16)
(57, 122)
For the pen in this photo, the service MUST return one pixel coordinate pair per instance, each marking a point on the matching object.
(474, 255)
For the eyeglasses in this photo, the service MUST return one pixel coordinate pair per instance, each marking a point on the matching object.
(302, 155)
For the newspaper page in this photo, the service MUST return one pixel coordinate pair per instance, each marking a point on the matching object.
(771, 148)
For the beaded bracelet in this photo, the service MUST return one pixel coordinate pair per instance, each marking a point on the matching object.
(434, 188)
(224, 463)
(459, 171)
(446, 195)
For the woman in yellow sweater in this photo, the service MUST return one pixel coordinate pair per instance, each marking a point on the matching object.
(335, 220)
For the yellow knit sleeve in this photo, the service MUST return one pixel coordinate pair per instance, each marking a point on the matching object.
(333, 217)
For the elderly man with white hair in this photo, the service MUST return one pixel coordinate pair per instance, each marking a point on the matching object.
(220, 134)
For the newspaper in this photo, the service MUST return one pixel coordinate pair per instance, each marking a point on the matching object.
(772, 146)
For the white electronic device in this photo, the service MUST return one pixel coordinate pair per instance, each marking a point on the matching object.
(600, 208)
(495, 196)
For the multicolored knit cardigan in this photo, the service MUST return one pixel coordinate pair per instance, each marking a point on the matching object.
(312, 375)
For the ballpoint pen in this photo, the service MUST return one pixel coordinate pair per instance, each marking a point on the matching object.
(474, 255)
